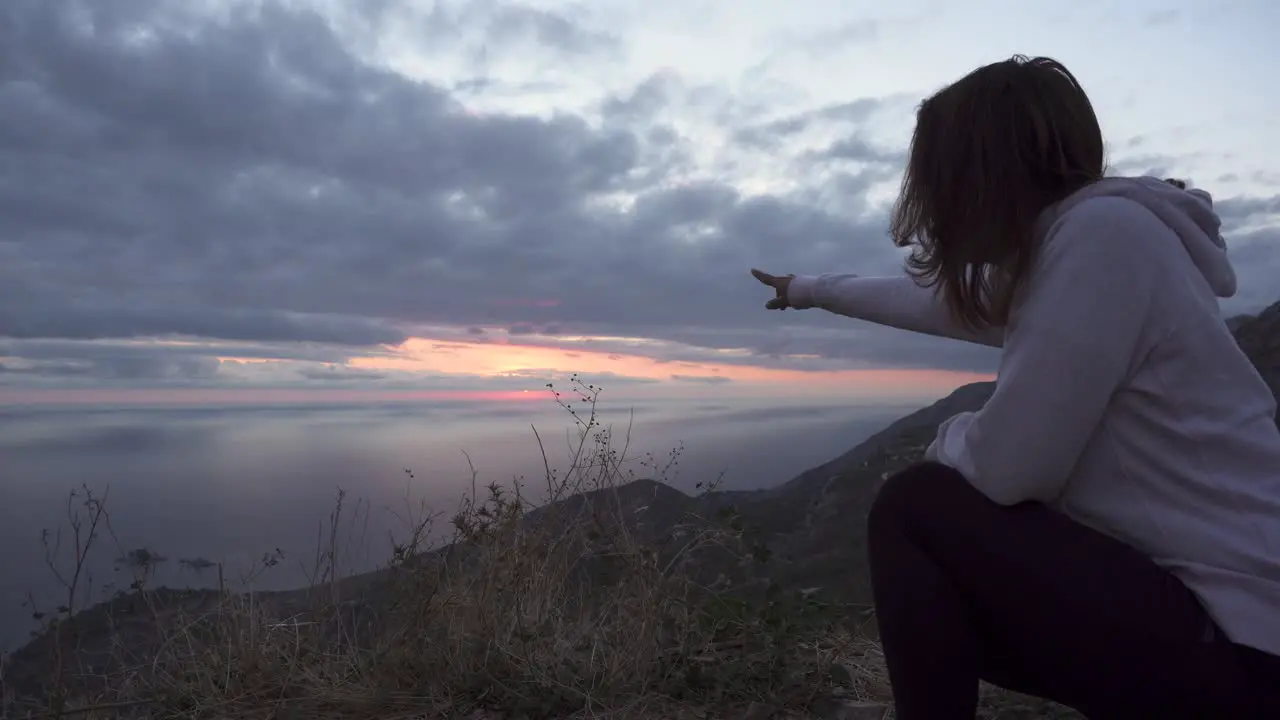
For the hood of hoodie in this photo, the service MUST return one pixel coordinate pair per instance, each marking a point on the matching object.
(1189, 213)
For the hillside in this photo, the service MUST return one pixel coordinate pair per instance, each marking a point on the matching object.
(1260, 340)
(644, 594)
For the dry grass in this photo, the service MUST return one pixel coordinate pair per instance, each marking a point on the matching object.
(535, 610)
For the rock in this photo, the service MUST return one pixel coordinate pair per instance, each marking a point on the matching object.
(840, 676)
(759, 711)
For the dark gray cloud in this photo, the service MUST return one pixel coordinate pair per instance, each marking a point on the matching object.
(154, 368)
(769, 134)
(330, 373)
(1238, 212)
(652, 95)
(106, 319)
(483, 28)
(256, 182)
(1151, 164)
(58, 349)
(1251, 225)
(858, 150)
(192, 363)
(1269, 178)
(831, 343)
(513, 23)
(1258, 253)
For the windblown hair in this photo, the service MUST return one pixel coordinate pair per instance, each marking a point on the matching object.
(989, 154)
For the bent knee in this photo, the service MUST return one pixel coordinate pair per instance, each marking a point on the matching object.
(917, 493)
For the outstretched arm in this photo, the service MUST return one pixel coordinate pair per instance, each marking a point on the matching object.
(893, 301)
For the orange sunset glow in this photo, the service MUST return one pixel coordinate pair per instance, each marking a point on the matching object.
(472, 364)
(492, 359)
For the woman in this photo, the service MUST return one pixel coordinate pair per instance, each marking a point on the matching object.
(1105, 532)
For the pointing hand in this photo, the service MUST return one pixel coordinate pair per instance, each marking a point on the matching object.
(779, 285)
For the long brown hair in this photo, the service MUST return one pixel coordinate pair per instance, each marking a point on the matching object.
(990, 152)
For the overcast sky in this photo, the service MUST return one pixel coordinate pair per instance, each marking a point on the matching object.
(478, 194)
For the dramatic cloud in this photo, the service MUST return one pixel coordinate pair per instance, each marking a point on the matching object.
(253, 174)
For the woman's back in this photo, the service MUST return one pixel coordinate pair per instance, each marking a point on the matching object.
(1185, 462)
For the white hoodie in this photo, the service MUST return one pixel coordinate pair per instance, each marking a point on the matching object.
(1122, 398)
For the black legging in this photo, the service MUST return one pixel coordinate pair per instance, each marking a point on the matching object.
(1027, 599)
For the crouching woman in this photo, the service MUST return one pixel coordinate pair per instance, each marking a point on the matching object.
(1105, 531)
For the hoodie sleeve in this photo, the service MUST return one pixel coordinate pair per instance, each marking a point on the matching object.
(894, 301)
(1072, 339)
